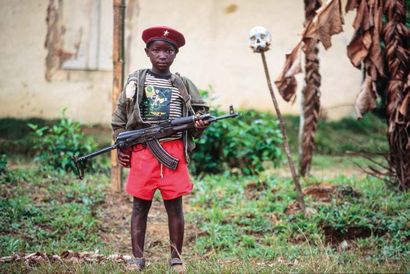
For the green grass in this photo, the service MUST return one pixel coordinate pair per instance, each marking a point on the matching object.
(240, 220)
(345, 135)
(323, 263)
(242, 227)
(244, 217)
(42, 211)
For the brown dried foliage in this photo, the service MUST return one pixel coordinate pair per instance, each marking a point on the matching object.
(286, 82)
(364, 50)
(396, 38)
(310, 93)
(327, 22)
(66, 257)
(366, 99)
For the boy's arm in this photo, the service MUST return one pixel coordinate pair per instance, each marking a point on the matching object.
(198, 104)
(118, 124)
(119, 117)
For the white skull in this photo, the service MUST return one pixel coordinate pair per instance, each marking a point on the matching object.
(259, 39)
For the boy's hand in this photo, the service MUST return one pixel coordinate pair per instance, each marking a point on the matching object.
(124, 156)
(201, 124)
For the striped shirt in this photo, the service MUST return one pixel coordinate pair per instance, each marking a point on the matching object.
(161, 101)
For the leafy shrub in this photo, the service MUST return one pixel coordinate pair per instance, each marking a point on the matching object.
(58, 143)
(246, 144)
(3, 163)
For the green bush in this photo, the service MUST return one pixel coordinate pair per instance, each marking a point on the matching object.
(3, 163)
(246, 144)
(56, 144)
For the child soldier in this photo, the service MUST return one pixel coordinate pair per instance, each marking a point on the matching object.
(151, 96)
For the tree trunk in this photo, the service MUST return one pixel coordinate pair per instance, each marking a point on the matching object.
(310, 95)
(396, 39)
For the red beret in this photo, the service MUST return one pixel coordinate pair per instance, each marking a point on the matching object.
(163, 33)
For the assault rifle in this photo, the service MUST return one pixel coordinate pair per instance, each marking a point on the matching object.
(150, 136)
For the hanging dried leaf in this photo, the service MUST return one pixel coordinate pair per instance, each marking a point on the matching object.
(351, 5)
(327, 22)
(358, 48)
(286, 82)
(362, 19)
(376, 55)
(405, 106)
(366, 100)
(365, 44)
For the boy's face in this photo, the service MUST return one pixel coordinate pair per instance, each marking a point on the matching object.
(161, 55)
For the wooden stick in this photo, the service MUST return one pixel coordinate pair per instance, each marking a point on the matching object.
(295, 177)
(118, 80)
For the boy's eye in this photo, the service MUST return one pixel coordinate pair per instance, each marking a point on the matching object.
(167, 51)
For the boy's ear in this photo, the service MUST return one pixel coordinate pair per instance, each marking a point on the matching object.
(146, 51)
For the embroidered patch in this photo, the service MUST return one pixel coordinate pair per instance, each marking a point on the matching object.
(130, 90)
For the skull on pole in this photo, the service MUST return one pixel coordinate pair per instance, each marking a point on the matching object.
(259, 39)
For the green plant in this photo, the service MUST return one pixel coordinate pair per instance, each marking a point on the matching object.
(56, 144)
(3, 163)
(248, 144)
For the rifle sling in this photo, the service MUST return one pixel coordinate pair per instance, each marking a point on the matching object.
(162, 155)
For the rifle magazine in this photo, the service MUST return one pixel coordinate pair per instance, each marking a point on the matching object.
(162, 155)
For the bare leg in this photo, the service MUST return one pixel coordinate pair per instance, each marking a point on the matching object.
(175, 225)
(139, 217)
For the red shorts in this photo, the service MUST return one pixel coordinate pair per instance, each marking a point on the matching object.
(147, 174)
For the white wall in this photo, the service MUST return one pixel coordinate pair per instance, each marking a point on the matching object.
(216, 55)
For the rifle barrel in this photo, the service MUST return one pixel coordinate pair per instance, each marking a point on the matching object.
(226, 116)
(98, 152)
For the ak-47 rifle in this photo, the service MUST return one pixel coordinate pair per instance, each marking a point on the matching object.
(150, 136)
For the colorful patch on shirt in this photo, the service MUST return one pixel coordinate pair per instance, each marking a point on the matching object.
(149, 91)
(156, 103)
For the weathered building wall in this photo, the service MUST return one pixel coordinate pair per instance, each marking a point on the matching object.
(24, 90)
(215, 57)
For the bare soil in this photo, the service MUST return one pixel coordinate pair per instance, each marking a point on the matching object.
(116, 227)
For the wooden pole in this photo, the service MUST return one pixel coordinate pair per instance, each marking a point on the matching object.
(118, 80)
(295, 176)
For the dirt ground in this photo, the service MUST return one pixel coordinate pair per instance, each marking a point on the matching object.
(116, 227)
